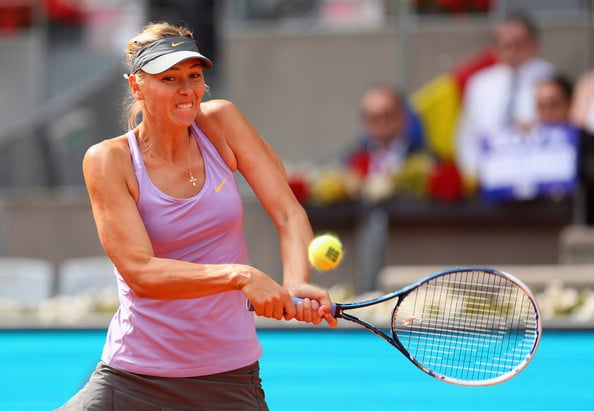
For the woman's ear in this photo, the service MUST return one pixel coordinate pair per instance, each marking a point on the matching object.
(135, 87)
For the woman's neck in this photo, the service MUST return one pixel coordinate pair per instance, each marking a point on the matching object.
(165, 141)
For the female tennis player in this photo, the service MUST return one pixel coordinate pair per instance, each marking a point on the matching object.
(169, 216)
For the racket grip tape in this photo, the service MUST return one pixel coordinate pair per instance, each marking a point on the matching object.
(296, 300)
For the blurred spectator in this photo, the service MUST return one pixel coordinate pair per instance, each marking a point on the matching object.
(503, 94)
(536, 161)
(582, 109)
(553, 100)
(390, 133)
(582, 115)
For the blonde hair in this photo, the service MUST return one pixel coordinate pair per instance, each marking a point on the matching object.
(151, 32)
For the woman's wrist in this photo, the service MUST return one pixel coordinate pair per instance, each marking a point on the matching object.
(239, 276)
(292, 285)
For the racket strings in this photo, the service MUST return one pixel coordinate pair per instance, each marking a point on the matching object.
(468, 325)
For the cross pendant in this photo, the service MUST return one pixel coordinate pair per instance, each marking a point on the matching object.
(193, 180)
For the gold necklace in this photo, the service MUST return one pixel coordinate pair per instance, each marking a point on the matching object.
(193, 180)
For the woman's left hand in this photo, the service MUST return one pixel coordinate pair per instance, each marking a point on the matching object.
(315, 307)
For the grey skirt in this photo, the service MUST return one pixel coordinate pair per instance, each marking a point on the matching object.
(111, 389)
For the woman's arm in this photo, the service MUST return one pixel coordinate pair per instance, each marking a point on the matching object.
(263, 170)
(113, 190)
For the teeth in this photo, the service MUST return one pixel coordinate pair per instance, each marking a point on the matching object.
(187, 105)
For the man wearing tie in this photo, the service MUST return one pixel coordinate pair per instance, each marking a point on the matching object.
(501, 95)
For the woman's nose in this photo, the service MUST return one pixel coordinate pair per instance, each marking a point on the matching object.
(184, 87)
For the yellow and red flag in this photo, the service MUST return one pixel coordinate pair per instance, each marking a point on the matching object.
(438, 103)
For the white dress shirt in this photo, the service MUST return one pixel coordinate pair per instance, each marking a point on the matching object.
(494, 98)
(386, 161)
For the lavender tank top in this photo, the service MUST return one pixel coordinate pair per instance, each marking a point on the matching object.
(191, 337)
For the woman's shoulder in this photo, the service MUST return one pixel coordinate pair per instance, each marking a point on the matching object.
(108, 152)
(221, 116)
(111, 146)
(217, 109)
(107, 167)
(224, 125)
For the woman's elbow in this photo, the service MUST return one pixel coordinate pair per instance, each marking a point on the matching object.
(138, 279)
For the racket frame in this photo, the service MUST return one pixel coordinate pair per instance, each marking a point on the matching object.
(340, 308)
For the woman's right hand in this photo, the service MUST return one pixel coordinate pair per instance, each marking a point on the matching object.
(268, 297)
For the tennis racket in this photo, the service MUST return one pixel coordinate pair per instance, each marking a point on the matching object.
(466, 326)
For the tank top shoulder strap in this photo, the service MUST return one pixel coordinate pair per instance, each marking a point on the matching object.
(137, 161)
(135, 151)
(208, 149)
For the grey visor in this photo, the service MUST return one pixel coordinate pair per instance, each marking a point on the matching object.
(160, 55)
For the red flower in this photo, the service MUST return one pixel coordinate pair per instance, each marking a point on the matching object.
(359, 163)
(64, 11)
(454, 6)
(445, 182)
(300, 188)
(13, 18)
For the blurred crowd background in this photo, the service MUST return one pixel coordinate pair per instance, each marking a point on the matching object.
(298, 69)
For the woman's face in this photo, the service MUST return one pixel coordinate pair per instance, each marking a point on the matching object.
(173, 96)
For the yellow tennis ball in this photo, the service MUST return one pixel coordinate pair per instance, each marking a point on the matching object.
(325, 252)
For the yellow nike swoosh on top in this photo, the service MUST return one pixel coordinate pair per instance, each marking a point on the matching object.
(176, 44)
(220, 186)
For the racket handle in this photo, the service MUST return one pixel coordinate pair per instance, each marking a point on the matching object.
(296, 300)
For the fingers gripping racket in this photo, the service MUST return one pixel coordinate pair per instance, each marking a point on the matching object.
(465, 326)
